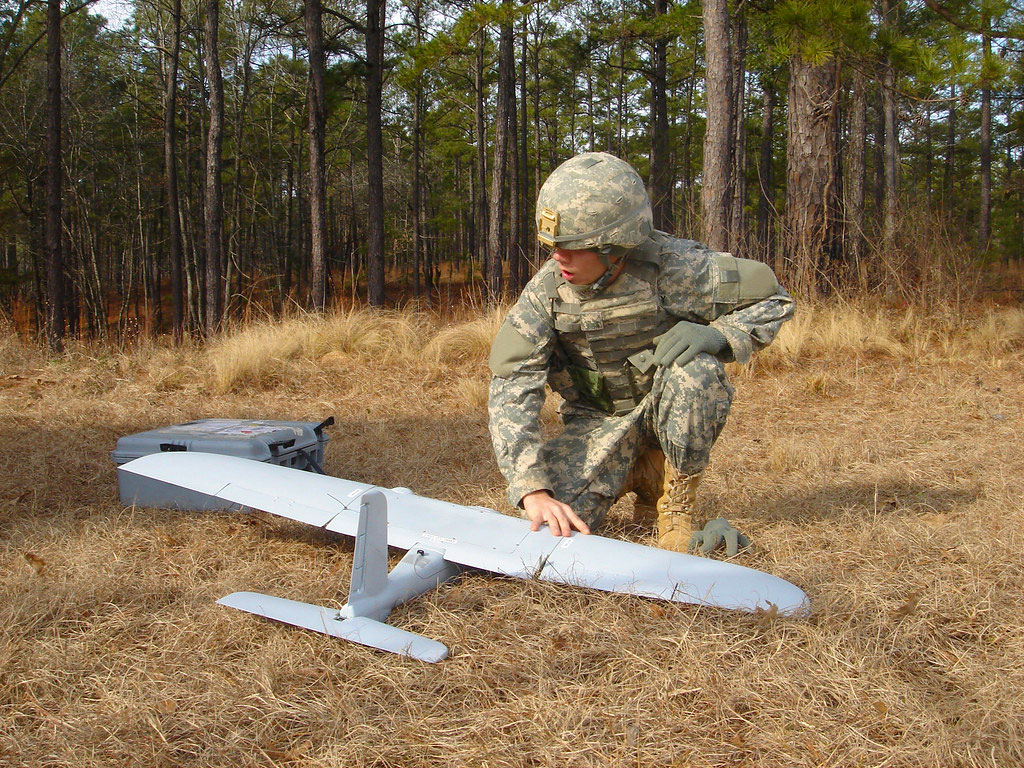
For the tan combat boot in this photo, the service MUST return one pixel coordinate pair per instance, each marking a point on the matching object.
(676, 509)
(646, 480)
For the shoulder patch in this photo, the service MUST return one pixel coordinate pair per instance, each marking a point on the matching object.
(508, 351)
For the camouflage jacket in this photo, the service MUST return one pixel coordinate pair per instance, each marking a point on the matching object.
(739, 298)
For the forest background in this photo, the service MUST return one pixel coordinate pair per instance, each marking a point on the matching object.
(202, 160)
(166, 174)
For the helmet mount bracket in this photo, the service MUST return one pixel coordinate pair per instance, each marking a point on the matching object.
(547, 227)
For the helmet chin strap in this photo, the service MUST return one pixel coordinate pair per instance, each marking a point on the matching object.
(612, 268)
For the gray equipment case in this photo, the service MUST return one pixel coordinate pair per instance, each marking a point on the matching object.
(297, 444)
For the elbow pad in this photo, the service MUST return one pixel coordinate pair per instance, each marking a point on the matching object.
(743, 282)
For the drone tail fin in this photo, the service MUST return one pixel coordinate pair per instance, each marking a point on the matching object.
(373, 591)
(370, 560)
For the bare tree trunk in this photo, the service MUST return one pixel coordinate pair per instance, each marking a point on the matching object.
(620, 98)
(482, 228)
(495, 232)
(147, 261)
(191, 256)
(54, 183)
(765, 204)
(171, 174)
(691, 86)
(473, 234)
(417, 182)
(515, 180)
(234, 254)
(661, 165)
(878, 188)
(72, 307)
(855, 165)
(213, 198)
(289, 230)
(810, 169)
(36, 248)
(929, 154)
(375, 13)
(526, 219)
(949, 166)
(891, 154)
(313, 19)
(985, 214)
(737, 217)
(891, 137)
(716, 187)
(590, 106)
(837, 229)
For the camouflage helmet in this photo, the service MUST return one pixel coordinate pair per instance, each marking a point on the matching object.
(593, 200)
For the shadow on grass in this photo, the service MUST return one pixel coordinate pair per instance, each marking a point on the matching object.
(52, 470)
(850, 500)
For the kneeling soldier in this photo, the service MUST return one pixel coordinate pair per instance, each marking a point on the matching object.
(632, 328)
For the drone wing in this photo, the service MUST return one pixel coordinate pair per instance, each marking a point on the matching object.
(446, 533)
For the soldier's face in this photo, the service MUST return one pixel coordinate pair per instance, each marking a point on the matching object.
(579, 267)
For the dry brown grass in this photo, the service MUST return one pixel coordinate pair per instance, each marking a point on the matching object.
(259, 353)
(874, 455)
(468, 340)
(862, 330)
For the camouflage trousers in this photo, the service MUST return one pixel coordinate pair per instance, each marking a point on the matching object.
(683, 414)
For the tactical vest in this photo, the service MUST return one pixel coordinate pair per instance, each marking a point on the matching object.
(598, 337)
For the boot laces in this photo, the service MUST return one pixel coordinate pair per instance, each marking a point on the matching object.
(681, 491)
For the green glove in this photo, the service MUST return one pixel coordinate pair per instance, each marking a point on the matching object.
(685, 340)
(714, 534)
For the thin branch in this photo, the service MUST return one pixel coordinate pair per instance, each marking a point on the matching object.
(38, 38)
(15, 23)
(352, 23)
(947, 15)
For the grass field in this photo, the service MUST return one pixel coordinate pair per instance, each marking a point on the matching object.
(875, 456)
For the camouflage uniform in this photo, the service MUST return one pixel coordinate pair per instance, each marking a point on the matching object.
(591, 347)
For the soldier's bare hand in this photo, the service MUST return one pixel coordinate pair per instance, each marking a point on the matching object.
(541, 507)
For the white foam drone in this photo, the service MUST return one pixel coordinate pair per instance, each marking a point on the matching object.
(442, 539)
